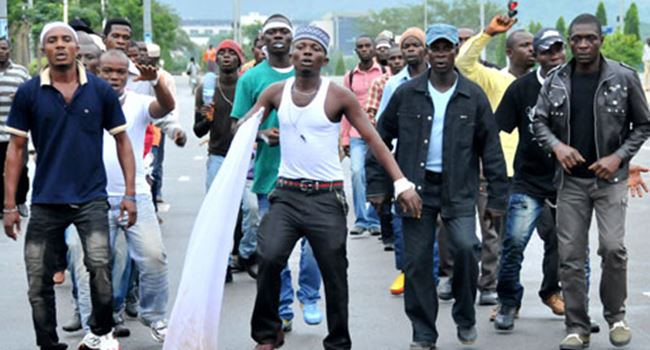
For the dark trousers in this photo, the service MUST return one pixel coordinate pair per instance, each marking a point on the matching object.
(45, 246)
(157, 171)
(23, 182)
(386, 221)
(321, 218)
(420, 297)
(550, 264)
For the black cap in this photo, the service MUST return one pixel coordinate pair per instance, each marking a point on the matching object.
(545, 38)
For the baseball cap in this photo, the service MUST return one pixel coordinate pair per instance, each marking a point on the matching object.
(442, 31)
(153, 51)
(545, 38)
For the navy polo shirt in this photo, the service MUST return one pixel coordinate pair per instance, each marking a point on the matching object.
(68, 137)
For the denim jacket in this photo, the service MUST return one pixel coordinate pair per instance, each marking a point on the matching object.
(621, 114)
(470, 134)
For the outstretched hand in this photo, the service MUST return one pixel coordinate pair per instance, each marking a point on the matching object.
(500, 24)
(147, 72)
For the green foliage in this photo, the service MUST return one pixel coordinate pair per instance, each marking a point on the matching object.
(500, 51)
(560, 25)
(535, 27)
(632, 21)
(601, 13)
(461, 13)
(248, 35)
(625, 48)
(339, 67)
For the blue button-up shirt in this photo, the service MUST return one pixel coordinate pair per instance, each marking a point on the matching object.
(391, 85)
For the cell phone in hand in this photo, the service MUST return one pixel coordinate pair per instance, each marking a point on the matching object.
(512, 8)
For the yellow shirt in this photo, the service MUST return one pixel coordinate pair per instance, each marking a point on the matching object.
(494, 83)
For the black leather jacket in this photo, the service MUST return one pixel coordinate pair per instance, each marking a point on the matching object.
(621, 115)
(470, 134)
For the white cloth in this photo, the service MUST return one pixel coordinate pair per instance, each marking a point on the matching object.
(646, 53)
(136, 112)
(309, 140)
(194, 321)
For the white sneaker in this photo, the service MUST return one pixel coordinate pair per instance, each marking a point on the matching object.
(97, 342)
(159, 330)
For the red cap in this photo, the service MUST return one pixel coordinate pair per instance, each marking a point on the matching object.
(232, 45)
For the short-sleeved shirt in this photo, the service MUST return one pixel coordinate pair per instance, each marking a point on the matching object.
(10, 80)
(68, 137)
(249, 88)
(136, 112)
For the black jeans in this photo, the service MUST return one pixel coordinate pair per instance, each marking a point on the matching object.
(420, 296)
(321, 218)
(45, 246)
(386, 221)
(23, 181)
(550, 264)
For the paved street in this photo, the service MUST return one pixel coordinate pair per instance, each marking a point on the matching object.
(377, 319)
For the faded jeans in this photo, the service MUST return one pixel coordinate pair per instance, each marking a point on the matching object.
(366, 216)
(143, 244)
(79, 276)
(250, 222)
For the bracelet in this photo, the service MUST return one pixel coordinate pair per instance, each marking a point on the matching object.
(9, 211)
(402, 185)
(129, 198)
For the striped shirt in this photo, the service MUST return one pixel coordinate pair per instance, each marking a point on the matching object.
(10, 79)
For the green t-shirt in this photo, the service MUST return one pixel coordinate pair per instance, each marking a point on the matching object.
(249, 88)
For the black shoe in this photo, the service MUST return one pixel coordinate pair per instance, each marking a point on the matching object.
(357, 231)
(131, 309)
(120, 331)
(375, 231)
(228, 275)
(487, 297)
(444, 290)
(74, 324)
(249, 265)
(389, 247)
(595, 327)
(505, 320)
(467, 336)
(57, 346)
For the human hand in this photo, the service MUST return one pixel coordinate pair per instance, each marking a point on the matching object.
(411, 202)
(377, 201)
(606, 167)
(208, 111)
(180, 138)
(567, 156)
(270, 136)
(500, 24)
(635, 182)
(11, 223)
(147, 72)
(128, 207)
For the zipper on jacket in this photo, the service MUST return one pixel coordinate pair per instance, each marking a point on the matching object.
(600, 84)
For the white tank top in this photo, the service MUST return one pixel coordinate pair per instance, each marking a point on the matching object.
(309, 140)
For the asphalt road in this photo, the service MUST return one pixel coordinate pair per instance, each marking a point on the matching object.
(377, 319)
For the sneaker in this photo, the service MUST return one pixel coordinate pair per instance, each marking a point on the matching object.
(97, 342)
(495, 311)
(23, 210)
(357, 231)
(397, 288)
(376, 231)
(487, 297)
(312, 314)
(228, 275)
(74, 324)
(505, 318)
(620, 334)
(286, 326)
(416, 345)
(574, 341)
(467, 336)
(389, 247)
(556, 303)
(444, 289)
(159, 330)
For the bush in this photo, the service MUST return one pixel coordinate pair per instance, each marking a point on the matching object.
(625, 48)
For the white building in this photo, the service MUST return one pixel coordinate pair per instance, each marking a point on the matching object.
(200, 30)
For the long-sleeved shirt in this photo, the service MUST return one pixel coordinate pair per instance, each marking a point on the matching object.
(494, 83)
(375, 92)
(361, 81)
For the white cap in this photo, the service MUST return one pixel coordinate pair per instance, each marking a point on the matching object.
(54, 25)
(153, 51)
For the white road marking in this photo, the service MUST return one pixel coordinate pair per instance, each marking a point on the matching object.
(647, 294)
(198, 158)
(163, 207)
(184, 178)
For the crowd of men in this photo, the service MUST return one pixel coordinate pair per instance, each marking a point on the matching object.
(434, 134)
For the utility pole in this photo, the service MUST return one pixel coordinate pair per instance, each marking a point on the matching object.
(236, 21)
(65, 11)
(4, 31)
(426, 15)
(621, 15)
(482, 20)
(102, 4)
(148, 32)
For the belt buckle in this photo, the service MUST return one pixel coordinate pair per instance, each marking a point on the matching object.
(307, 185)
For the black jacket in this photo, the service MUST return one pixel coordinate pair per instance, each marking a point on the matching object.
(621, 115)
(470, 134)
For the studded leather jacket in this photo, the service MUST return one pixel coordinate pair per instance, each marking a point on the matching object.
(621, 114)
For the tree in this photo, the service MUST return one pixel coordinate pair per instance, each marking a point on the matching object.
(622, 47)
(500, 51)
(535, 27)
(601, 13)
(632, 21)
(560, 25)
(339, 68)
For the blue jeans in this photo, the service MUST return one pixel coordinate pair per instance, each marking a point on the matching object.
(79, 276)
(309, 279)
(521, 218)
(250, 222)
(141, 242)
(213, 165)
(366, 216)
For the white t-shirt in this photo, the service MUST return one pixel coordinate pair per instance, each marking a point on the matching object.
(136, 112)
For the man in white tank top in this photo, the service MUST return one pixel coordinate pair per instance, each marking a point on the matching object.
(309, 200)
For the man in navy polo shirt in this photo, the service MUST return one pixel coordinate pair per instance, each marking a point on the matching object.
(67, 111)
